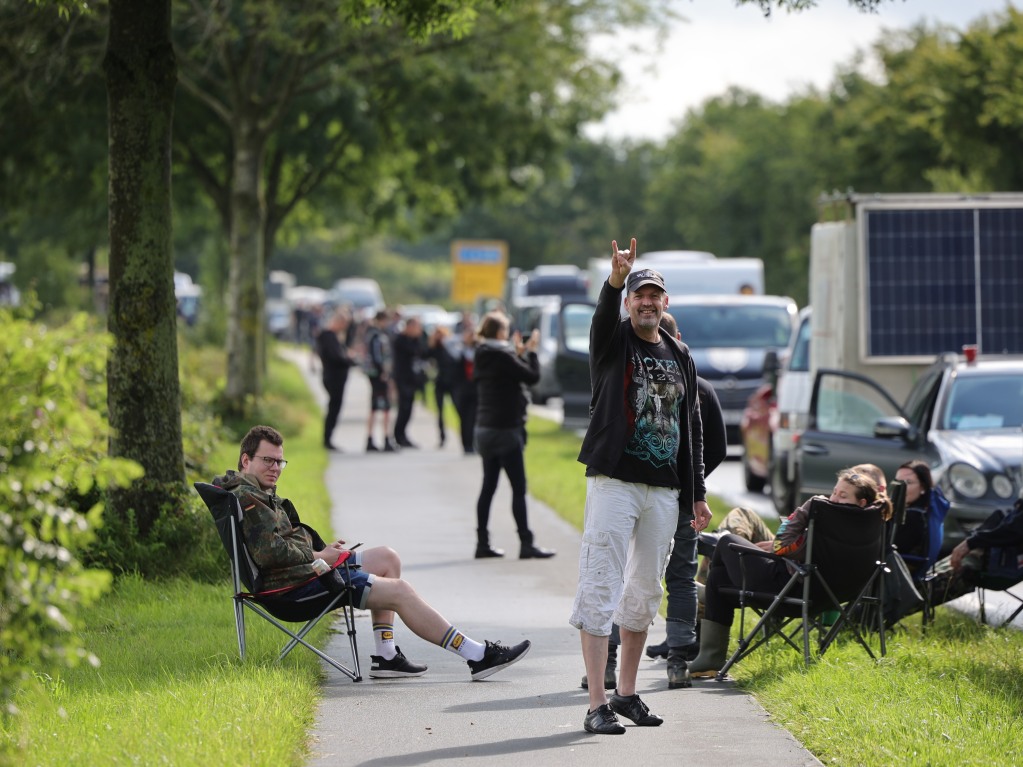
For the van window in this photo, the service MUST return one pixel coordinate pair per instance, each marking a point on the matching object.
(800, 360)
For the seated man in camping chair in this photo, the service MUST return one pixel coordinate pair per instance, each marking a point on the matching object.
(990, 557)
(283, 549)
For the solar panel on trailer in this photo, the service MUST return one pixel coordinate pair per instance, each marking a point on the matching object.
(923, 269)
(1001, 279)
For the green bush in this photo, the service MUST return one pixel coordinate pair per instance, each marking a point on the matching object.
(53, 456)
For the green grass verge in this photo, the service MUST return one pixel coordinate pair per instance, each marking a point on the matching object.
(171, 688)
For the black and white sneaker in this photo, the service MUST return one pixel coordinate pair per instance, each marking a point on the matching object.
(497, 657)
(398, 666)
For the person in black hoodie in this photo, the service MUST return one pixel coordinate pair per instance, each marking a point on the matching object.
(330, 344)
(501, 370)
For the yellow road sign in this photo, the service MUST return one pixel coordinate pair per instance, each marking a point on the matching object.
(479, 269)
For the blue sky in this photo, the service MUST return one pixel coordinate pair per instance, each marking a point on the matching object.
(719, 44)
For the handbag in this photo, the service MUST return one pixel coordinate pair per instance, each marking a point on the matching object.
(901, 596)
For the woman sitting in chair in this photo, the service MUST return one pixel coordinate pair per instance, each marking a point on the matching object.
(767, 575)
(911, 538)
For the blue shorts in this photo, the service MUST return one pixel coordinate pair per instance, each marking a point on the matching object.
(358, 579)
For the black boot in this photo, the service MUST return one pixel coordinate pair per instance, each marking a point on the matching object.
(483, 549)
(678, 669)
(530, 551)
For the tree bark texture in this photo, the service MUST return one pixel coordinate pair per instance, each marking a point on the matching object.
(246, 334)
(143, 394)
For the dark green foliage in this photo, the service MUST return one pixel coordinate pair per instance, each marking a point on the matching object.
(53, 453)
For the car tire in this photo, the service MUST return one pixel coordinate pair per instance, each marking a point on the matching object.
(783, 495)
(754, 483)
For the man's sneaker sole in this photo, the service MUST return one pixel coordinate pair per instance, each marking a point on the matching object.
(387, 674)
(491, 670)
(402, 667)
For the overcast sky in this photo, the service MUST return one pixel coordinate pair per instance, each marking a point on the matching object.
(719, 44)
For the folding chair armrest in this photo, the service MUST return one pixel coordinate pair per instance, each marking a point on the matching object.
(743, 550)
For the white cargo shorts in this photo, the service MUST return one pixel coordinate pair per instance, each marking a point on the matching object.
(627, 534)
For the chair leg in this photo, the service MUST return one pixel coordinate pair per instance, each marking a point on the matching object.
(239, 626)
(322, 655)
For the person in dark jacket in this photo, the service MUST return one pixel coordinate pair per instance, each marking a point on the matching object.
(336, 362)
(444, 351)
(501, 371)
(409, 351)
(643, 452)
(282, 548)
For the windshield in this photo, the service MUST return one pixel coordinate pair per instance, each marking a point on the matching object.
(360, 299)
(984, 402)
(577, 327)
(706, 326)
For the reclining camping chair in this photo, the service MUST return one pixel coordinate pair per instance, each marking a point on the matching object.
(276, 605)
(840, 573)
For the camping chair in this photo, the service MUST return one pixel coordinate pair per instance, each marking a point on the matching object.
(923, 574)
(274, 606)
(990, 583)
(839, 574)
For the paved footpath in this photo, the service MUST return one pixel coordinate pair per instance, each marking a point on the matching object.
(422, 503)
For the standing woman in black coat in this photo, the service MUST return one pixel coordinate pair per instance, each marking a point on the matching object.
(501, 371)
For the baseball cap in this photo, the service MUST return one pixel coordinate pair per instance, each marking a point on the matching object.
(645, 277)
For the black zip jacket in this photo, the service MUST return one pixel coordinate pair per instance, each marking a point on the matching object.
(611, 344)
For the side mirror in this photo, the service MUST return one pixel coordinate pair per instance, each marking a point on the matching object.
(894, 427)
(772, 363)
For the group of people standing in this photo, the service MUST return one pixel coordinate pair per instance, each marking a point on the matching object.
(484, 370)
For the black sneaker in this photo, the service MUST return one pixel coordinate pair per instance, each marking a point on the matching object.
(631, 707)
(398, 666)
(495, 658)
(602, 721)
(371, 447)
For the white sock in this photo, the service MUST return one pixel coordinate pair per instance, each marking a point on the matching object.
(383, 635)
(458, 643)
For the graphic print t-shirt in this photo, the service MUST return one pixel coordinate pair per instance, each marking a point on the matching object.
(655, 395)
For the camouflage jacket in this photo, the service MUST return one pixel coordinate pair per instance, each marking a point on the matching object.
(280, 545)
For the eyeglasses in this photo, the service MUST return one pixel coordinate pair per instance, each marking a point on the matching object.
(268, 461)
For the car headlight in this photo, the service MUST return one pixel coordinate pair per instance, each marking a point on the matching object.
(1002, 486)
(967, 481)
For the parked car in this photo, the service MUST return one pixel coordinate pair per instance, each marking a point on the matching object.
(729, 337)
(562, 280)
(541, 313)
(963, 416)
(362, 294)
(431, 316)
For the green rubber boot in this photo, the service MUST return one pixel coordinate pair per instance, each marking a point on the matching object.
(713, 650)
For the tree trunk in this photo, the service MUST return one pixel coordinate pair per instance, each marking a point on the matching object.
(246, 324)
(143, 393)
